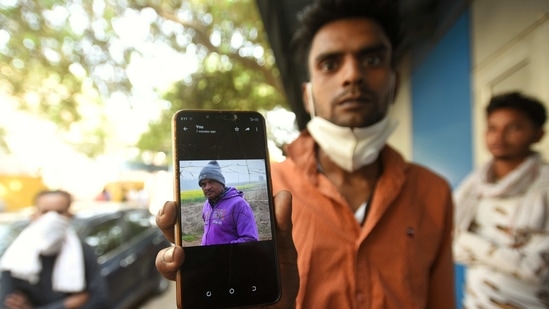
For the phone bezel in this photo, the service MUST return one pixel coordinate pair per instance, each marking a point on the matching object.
(226, 250)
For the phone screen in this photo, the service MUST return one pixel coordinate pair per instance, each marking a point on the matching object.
(226, 219)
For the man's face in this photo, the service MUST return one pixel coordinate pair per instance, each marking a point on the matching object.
(510, 134)
(53, 202)
(211, 188)
(351, 74)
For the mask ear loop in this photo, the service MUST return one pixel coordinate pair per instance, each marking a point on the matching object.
(311, 103)
(309, 90)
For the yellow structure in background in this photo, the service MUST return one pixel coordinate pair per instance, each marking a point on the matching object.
(17, 192)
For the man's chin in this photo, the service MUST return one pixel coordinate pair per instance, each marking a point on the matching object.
(358, 120)
(507, 157)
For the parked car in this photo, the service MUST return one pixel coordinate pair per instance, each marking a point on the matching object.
(11, 224)
(126, 241)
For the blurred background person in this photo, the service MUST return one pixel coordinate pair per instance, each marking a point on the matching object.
(47, 266)
(502, 211)
(104, 195)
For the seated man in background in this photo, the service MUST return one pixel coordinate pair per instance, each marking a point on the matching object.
(47, 266)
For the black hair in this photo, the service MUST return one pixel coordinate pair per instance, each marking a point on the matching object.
(321, 12)
(65, 194)
(531, 107)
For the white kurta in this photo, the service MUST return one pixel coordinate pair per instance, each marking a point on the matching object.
(504, 239)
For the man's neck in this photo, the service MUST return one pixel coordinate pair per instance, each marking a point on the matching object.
(327, 166)
(356, 187)
(501, 167)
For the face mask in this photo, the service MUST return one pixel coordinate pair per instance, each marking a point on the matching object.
(349, 148)
(51, 229)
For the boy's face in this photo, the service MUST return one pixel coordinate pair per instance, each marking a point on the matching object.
(510, 134)
(351, 75)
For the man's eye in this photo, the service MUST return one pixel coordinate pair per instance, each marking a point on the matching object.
(372, 60)
(328, 65)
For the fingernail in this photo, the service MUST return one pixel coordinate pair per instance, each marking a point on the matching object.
(161, 211)
(168, 255)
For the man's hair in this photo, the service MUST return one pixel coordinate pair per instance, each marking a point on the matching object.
(321, 12)
(66, 194)
(531, 107)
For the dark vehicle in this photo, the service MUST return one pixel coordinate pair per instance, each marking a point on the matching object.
(126, 241)
(11, 224)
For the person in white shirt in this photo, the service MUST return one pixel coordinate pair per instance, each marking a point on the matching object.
(502, 211)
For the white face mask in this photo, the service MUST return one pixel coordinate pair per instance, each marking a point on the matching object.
(51, 229)
(349, 148)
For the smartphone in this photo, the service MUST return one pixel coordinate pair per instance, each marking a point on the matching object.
(226, 219)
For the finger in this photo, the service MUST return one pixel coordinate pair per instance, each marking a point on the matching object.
(283, 212)
(168, 261)
(287, 253)
(165, 219)
(14, 301)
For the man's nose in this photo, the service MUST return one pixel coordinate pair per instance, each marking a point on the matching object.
(499, 136)
(353, 71)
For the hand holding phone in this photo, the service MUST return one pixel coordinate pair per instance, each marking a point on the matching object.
(225, 216)
(169, 260)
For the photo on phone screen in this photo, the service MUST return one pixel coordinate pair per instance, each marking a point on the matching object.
(212, 189)
(226, 217)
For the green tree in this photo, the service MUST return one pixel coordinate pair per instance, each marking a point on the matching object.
(60, 58)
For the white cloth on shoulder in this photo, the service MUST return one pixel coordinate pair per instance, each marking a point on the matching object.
(48, 235)
(529, 178)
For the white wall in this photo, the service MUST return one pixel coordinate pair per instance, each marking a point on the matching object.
(510, 52)
(401, 139)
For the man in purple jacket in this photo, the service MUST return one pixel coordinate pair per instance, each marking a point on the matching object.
(228, 218)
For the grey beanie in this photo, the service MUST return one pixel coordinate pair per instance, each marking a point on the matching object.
(212, 170)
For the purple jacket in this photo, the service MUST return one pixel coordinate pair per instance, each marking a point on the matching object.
(230, 220)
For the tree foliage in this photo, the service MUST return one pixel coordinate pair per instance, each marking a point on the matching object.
(62, 57)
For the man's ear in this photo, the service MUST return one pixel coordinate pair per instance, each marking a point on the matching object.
(396, 85)
(539, 136)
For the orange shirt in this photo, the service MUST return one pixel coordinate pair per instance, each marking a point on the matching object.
(401, 258)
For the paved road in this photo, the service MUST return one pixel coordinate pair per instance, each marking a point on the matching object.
(164, 301)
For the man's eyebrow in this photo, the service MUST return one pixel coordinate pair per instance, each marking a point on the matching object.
(370, 49)
(377, 48)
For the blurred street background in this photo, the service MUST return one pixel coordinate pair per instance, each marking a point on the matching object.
(164, 301)
(87, 92)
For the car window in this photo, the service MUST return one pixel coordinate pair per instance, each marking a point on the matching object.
(6, 236)
(8, 232)
(105, 237)
(137, 222)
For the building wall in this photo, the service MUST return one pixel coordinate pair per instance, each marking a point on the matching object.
(510, 42)
(441, 100)
(494, 47)
(401, 139)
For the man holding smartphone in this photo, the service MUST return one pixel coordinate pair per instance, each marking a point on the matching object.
(371, 230)
(228, 218)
